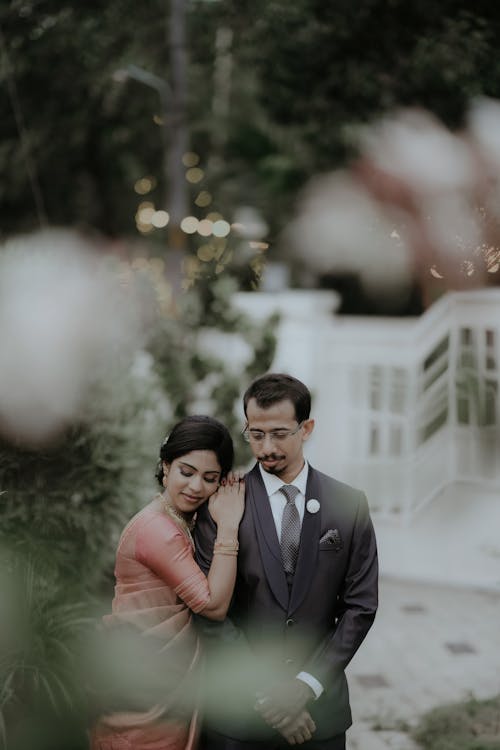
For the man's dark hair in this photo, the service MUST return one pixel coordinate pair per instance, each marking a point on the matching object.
(197, 433)
(269, 389)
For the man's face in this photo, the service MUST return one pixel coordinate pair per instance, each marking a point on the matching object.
(274, 446)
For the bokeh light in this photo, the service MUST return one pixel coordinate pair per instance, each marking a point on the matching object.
(221, 228)
(190, 159)
(206, 253)
(160, 219)
(189, 224)
(194, 175)
(203, 199)
(144, 185)
(205, 227)
(145, 213)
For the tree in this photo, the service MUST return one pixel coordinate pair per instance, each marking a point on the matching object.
(299, 79)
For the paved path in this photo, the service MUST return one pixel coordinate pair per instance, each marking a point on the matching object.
(429, 645)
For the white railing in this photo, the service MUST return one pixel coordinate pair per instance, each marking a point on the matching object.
(396, 414)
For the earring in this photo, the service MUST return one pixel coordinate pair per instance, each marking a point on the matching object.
(164, 478)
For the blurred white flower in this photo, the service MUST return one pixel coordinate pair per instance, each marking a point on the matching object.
(341, 229)
(484, 129)
(419, 203)
(484, 134)
(63, 322)
(453, 227)
(413, 146)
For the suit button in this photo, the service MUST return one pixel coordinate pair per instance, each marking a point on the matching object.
(290, 622)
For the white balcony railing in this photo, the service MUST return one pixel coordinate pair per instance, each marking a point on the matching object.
(403, 407)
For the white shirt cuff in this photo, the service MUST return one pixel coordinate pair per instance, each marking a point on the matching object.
(313, 683)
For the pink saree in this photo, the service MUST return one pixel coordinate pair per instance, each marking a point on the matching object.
(157, 585)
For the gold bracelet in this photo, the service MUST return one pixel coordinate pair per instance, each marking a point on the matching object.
(231, 552)
(233, 544)
(226, 542)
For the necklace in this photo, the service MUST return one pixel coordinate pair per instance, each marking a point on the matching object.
(186, 526)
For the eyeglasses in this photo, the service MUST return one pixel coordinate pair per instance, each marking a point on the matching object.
(277, 436)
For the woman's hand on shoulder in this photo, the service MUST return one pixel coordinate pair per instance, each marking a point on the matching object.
(227, 505)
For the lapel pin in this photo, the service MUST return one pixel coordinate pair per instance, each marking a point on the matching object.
(312, 505)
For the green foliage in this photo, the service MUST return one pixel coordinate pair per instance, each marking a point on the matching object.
(212, 378)
(303, 76)
(59, 62)
(472, 725)
(459, 48)
(65, 504)
(38, 655)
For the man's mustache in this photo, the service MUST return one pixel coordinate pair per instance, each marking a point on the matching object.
(270, 457)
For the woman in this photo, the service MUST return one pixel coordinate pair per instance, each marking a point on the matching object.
(158, 583)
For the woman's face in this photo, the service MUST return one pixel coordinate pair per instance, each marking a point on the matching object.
(191, 479)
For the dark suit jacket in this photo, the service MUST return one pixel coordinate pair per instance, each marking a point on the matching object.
(317, 627)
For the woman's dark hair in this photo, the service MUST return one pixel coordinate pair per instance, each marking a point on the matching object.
(274, 387)
(197, 433)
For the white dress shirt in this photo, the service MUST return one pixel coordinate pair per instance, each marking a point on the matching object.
(277, 501)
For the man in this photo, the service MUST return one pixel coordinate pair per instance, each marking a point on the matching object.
(305, 595)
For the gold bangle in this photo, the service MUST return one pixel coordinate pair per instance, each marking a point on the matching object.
(226, 545)
(226, 552)
(232, 552)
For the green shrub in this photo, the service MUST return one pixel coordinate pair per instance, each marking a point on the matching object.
(64, 504)
(63, 508)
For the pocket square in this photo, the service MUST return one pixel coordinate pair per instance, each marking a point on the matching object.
(332, 536)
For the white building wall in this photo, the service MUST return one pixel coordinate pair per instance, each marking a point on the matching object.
(386, 402)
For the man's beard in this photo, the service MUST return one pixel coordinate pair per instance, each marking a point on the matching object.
(270, 457)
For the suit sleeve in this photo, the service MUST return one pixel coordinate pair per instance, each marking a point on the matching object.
(358, 602)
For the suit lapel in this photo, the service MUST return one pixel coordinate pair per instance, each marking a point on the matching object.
(270, 552)
(309, 544)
